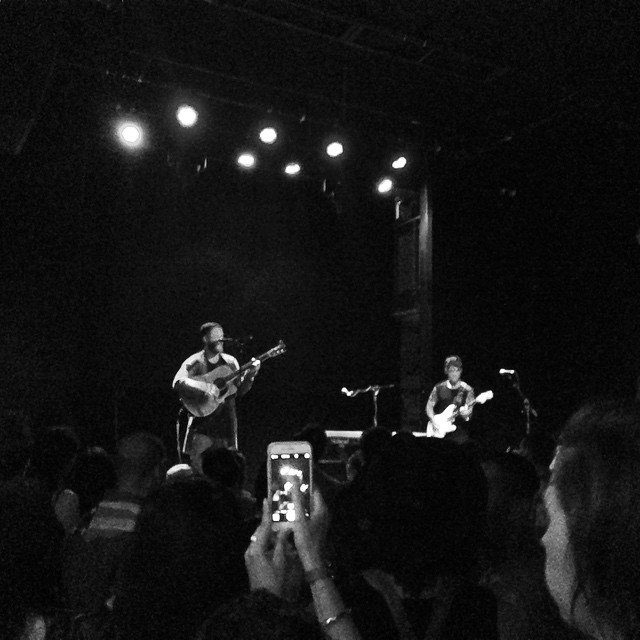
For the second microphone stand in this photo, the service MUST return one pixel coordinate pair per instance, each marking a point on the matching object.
(374, 390)
(528, 410)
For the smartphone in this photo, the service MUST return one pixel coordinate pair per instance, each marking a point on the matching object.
(284, 461)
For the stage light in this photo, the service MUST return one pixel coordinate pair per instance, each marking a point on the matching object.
(292, 169)
(187, 116)
(399, 163)
(130, 134)
(268, 135)
(246, 160)
(334, 149)
(384, 185)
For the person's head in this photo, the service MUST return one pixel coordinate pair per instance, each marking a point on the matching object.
(512, 485)
(453, 369)
(220, 465)
(199, 444)
(53, 454)
(316, 436)
(592, 543)
(355, 462)
(140, 463)
(420, 509)
(93, 473)
(538, 447)
(372, 441)
(212, 336)
(186, 560)
(31, 542)
(179, 471)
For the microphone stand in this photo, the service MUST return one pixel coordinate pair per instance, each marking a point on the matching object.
(528, 410)
(375, 390)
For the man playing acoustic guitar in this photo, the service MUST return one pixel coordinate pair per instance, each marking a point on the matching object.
(212, 409)
(452, 391)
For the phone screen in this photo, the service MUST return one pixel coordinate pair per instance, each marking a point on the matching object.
(283, 467)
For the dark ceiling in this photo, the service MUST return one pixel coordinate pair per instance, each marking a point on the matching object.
(465, 73)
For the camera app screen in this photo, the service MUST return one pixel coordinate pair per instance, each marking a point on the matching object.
(284, 467)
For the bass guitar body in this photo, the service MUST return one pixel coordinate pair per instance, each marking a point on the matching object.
(443, 423)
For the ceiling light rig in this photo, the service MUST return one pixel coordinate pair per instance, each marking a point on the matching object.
(186, 115)
(400, 162)
(292, 169)
(335, 149)
(187, 112)
(246, 160)
(130, 134)
(384, 185)
(268, 135)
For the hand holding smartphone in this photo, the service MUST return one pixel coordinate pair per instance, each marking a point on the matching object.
(288, 462)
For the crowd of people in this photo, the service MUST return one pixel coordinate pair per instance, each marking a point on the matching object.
(426, 538)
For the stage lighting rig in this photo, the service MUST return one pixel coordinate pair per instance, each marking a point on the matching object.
(186, 115)
(130, 134)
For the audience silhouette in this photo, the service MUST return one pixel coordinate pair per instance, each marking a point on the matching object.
(426, 539)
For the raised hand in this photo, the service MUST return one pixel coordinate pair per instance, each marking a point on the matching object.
(266, 562)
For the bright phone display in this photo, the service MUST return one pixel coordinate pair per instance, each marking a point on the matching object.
(286, 460)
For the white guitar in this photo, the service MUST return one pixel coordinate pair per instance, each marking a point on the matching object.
(442, 423)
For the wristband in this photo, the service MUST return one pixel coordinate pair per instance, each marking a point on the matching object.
(313, 575)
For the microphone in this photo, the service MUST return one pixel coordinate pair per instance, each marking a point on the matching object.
(506, 372)
(241, 340)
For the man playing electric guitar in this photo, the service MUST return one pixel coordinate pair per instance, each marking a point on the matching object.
(452, 391)
(221, 425)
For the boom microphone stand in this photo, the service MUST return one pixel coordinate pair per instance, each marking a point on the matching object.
(528, 409)
(375, 390)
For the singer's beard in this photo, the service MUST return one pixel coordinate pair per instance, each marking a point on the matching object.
(212, 355)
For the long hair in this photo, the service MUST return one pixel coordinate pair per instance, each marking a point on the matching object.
(597, 479)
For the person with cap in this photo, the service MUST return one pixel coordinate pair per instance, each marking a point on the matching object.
(452, 391)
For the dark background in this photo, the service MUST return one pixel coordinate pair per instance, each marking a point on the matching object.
(524, 115)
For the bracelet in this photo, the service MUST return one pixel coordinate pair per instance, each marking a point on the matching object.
(332, 619)
(313, 575)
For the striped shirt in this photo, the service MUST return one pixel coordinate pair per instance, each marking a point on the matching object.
(117, 514)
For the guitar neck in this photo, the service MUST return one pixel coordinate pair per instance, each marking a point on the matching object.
(247, 365)
(457, 409)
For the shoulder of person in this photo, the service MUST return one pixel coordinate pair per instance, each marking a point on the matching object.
(466, 387)
(194, 358)
(230, 360)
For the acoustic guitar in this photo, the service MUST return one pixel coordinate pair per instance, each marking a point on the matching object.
(442, 423)
(224, 378)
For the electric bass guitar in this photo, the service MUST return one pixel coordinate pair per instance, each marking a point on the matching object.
(224, 378)
(442, 423)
